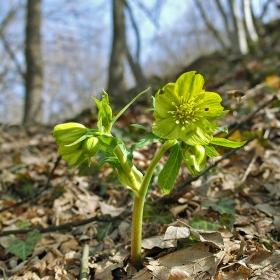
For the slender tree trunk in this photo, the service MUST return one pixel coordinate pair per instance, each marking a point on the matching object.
(34, 64)
(234, 36)
(252, 33)
(116, 80)
(241, 32)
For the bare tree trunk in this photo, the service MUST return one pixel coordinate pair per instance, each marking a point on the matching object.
(34, 64)
(234, 38)
(249, 21)
(116, 80)
(241, 32)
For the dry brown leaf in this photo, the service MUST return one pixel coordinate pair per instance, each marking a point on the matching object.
(71, 244)
(190, 261)
(110, 209)
(158, 241)
(175, 233)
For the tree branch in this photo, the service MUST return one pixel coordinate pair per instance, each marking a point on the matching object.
(68, 226)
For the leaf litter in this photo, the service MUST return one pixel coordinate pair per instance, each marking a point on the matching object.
(224, 224)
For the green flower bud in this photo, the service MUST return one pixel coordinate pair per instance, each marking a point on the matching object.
(68, 132)
(195, 159)
(90, 146)
(69, 137)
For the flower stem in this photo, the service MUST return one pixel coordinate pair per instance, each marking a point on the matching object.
(137, 216)
(127, 167)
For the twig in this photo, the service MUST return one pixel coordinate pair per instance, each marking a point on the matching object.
(249, 168)
(68, 225)
(84, 269)
(37, 194)
(52, 171)
(233, 127)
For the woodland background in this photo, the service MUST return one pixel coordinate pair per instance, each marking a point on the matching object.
(55, 55)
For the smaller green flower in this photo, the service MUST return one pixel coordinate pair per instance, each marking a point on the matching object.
(91, 146)
(195, 159)
(184, 111)
(70, 137)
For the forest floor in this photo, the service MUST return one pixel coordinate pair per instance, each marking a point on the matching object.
(223, 224)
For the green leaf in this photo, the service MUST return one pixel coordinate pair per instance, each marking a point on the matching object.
(225, 205)
(168, 174)
(226, 143)
(102, 230)
(223, 129)
(211, 151)
(126, 106)
(199, 222)
(112, 160)
(139, 126)
(151, 213)
(145, 141)
(23, 224)
(23, 248)
(87, 135)
(109, 143)
(227, 220)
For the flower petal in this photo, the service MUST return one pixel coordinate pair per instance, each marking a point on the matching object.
(211, 106)
(189, 85)
(164, 100)
(199, 134)
(72, 157)
(166, 128)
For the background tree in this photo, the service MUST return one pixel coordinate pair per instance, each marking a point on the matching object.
(120, 53)
(161, 37)
(116, 80)
(34, 64)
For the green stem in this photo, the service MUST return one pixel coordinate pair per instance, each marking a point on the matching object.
(128, 170)
(137, 216)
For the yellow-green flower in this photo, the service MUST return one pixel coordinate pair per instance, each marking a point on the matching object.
(184, 111)
(69, 137)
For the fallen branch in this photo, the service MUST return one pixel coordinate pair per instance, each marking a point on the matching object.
(84, 269)
(69, 225)
(233, 127)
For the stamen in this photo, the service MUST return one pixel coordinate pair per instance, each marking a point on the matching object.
(185, 111)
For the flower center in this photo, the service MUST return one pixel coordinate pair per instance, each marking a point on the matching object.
(184, 113)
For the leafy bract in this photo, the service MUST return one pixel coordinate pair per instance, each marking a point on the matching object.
(226, 143)
(145, 141)
(109, 143)
(104, 123)
(168, 174)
